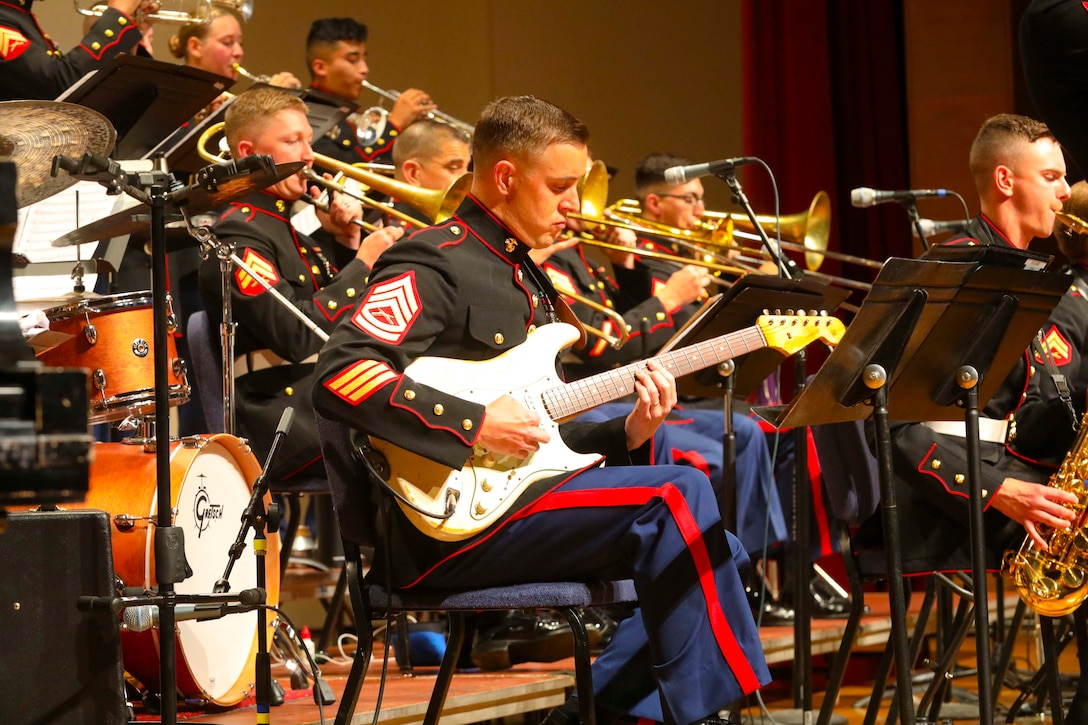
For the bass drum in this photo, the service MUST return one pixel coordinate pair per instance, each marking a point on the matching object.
(211, 479)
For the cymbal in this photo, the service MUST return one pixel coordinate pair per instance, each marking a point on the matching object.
(33, 132)
(220, 184)
(123, 222)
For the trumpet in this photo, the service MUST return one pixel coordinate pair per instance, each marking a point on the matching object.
(435, 115)
(436, 204)
(197, 12)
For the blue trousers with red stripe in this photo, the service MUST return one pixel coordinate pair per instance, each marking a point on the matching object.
(694, 438)
(693, 641)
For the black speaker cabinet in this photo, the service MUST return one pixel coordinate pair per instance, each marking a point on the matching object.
(58, 665)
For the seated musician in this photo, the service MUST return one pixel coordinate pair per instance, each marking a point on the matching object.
(275, 350)
(431, 155)
(31, 65)
(473, 293)
(216, 46)
(336, 59)
(1019, 172)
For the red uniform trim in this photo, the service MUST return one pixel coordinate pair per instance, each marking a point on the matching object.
(691, 458)
(924, 470)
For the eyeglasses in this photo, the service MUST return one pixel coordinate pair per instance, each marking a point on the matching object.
(689, 198)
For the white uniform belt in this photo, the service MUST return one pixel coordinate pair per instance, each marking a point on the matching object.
(989, 430)
(251, 362)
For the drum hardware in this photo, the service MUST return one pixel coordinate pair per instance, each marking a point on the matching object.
(157, 189)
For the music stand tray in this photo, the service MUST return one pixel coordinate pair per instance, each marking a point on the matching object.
(146, 100)
(737, 308)
(924, 323)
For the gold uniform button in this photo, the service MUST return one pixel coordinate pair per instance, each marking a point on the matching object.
(96, 45)
(289, 390)
(350, 292)
(381, 142)
(346, 143)
(122, 21)
(438, 409)
(108, 33)
(302, 250)
(455, 230)
(393, 132)
(499, 338)
(466, 424)
(985, 493)
(369, 149)
(332, 304)
(935, 464)
(245, 209)
(959, 478)
(315, 269)
(532, 329)
(302, 278)
(660, 315)
(409, 395)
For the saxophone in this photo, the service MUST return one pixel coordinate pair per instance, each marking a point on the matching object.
(1055, 582)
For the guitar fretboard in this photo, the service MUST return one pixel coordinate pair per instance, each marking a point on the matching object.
(571, 399)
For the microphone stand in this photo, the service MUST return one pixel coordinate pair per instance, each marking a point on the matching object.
(258, 518)
(787, 268)
(916, 220)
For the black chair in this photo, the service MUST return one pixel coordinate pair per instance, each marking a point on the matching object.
(371, 599)
(207, 363)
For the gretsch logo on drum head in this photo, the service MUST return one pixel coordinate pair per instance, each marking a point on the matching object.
(204, 511)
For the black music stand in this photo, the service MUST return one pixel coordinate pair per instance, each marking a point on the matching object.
(933, 337)
(737, 308)
(181, 150)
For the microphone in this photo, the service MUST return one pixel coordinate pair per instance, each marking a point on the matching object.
(864, 196)
(141, 619)
(930, 227)
(683, 174)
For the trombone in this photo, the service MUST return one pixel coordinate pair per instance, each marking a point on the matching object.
(434, 115)
(436, 204)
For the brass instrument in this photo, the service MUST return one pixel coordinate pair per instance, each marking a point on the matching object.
(436, 204)
(189, 12)
(339, 187)
(435, 115)
(249, 76)
(1054, 582)
(622, 330)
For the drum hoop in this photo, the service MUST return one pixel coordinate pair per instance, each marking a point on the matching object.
(103, 305)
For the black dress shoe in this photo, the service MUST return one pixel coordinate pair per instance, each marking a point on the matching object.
(520, 637)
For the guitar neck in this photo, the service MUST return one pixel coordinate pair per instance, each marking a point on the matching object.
(572, 399)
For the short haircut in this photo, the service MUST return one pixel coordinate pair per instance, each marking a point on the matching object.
(179, 43)
(325, 33)
(650, 173)
(250, 110)
(522, 127)
(1000, 141)
(1074, 244)
(423, 139)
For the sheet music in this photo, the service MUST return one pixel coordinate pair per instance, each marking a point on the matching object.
(39, 224)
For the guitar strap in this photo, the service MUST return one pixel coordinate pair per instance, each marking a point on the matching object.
(555, 307)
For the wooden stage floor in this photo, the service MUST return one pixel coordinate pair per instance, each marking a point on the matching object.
(476, 696)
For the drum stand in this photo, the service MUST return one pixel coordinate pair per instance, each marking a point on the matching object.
(153, 188)
(255, 514)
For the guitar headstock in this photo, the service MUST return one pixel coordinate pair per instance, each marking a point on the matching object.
(790, 332)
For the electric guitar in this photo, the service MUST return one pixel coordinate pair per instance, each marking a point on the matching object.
(461, 503)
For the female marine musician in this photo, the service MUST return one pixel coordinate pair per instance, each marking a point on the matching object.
(216, 46)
